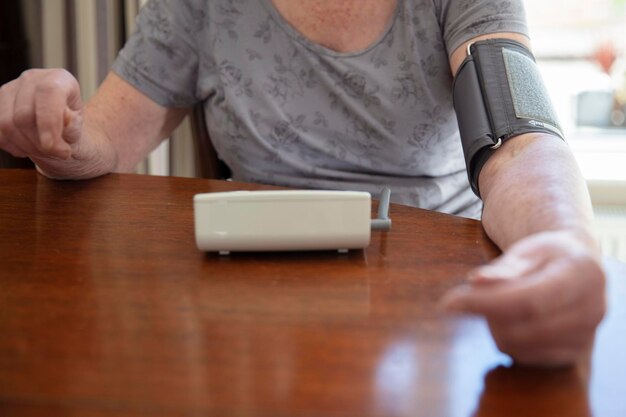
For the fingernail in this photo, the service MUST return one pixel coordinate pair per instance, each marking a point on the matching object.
(494, 273)
(451, 302)
(67, 118)
(451, 307)
(62, 151)
(46, 141)
(484, 274)
(447, 305)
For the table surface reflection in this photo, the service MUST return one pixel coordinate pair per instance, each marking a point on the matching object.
(108, 309)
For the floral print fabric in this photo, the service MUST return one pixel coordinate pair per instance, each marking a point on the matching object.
(283, 110)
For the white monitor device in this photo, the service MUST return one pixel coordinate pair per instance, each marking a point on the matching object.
(283, 220)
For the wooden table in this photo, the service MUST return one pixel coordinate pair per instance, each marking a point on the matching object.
(108, 309)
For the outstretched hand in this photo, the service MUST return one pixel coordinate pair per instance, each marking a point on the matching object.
(543, 299)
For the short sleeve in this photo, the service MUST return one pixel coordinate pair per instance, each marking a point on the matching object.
(160, 58)
(462, 20)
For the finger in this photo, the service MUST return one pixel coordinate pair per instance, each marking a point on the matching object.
(570, 327)
(14, 150)
(14, 142)
(503, 269)
(548, 289)
(19, 145)
(555, 342)
(50, 104)
(562, 338)
(532, 297)
(7, 99)
(24, 109)
(520, 260)
(72, 125)
(10, 137)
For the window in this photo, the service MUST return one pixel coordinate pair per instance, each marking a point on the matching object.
(580, 46)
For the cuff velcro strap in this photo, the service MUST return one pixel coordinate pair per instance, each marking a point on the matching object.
(499, 94)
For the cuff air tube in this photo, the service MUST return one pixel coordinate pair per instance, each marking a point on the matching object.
(499, 94)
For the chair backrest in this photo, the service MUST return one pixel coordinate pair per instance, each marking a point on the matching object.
(211, 166)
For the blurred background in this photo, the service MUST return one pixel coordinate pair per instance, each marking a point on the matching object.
(580, 47)
(581, 51)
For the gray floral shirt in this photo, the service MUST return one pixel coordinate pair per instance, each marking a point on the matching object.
(283, 110)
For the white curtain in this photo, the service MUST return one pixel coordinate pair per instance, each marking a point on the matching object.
(84, 37)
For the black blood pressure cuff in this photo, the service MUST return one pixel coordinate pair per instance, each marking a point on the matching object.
(499, 94)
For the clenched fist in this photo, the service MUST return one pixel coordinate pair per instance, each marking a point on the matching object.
(41, 116)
